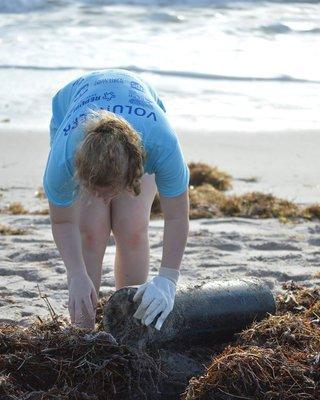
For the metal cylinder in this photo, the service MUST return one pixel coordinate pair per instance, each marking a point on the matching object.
(213, 311)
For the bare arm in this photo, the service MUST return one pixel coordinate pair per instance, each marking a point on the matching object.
(82, 293)
(66, 234)
(176, 229)
(158, 295)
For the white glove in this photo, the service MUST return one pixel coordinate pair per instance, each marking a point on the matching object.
(157, 297)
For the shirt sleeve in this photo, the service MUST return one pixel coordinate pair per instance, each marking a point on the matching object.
(57, 117)
(59, 185)
(171, 171)
(60, 104)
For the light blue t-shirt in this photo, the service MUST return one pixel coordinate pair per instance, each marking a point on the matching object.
(127, 95)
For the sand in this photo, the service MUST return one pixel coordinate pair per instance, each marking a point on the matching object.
(285, 164)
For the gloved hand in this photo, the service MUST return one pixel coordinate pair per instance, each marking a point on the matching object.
(157, 297)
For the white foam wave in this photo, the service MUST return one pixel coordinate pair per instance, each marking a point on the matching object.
(247, 65)
(176, 74)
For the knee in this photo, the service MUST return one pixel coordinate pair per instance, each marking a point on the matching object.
(94, 238)
(131, 236)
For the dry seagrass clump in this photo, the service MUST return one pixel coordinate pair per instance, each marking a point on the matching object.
(298, 299)
(207, 202)
(283, 330)
(54, 360)
(202, 177)
(277, 358)
(204, 201)
(6, 230)
(16, 208)
(201, 173)
(257, 373)
(258, 205)
(312, 212)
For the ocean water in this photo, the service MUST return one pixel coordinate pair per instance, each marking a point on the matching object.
(217, 64)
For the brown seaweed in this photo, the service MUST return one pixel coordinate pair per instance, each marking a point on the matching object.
(276, 358)
(6, 230)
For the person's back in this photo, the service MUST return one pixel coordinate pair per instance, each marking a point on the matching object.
(124, 94)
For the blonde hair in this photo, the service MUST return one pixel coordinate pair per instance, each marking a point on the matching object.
(110, 154)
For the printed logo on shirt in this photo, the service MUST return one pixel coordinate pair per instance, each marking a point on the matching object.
(75, 122)
(138, 111)
(81, 92)
(136, 98)
(90, 99)
(108, 80)
(108, 96)
(116, 109)
(77, 82)
(136, 86)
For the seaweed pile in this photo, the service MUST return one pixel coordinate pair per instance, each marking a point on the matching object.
(6, 230)
(277, 358)
(206, 184)
(208, 200)
(201, 173)
(248, 205)
(16, 208)
(53, 360)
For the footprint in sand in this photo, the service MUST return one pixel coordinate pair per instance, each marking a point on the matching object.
(190, 251)
(27, 294)
(290, 256)
(220, 244)
(32, 256)
(23, 240)
(156, 245)
(41, 221)
(26, 313)
(276, 258)
(280, 276)
(274, 246)
(228, 247)
(236, 221)
(314, 242)
(239, 269)
(315, 229)
(27, 273)
(57, 286)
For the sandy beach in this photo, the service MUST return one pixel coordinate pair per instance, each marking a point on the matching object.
(239, 82)
(285, 164)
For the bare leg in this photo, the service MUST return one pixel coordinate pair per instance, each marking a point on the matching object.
(130, 218)
(95, 231)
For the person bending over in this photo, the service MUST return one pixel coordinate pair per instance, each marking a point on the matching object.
(111, 149)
